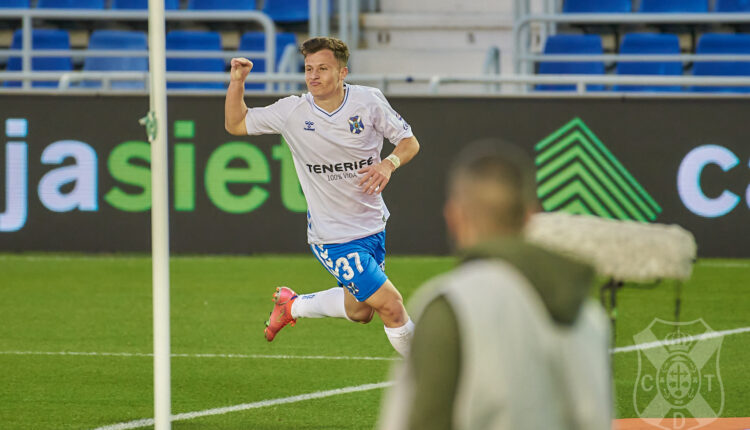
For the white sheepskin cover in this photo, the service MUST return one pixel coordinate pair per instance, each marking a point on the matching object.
(627, 251)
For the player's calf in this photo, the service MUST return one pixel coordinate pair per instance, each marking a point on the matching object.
(362, 315)
(389, 305)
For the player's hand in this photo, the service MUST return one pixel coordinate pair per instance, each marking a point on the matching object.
(240, 68)
(376, 177)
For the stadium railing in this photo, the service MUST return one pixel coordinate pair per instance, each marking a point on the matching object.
(524, 60)
(285, 82)
(434, 82)
(26, 16)
(492, 84)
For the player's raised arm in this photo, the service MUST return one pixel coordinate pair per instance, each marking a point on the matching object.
(376, 177)
(234, 105)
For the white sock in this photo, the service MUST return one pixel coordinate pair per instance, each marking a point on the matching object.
(400, 337)
(328, 303)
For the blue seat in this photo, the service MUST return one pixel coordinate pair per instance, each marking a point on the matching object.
(41, 39)
(143, 4)
(715, 43)
(221, 5)
(15, 4)
(732, 6)
(256, 41)
(644, 44)
(288, 11)
(70, 4)
(597, 6)
(674, 6)
(117, 40)
(572, 44)
(185, 40)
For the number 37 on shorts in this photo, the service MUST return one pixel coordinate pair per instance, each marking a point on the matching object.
(356, 265)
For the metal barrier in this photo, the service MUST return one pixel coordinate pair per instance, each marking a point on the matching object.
(26, 52)
(320, 16)
(287, 80)
(524, 60)
(293, 81)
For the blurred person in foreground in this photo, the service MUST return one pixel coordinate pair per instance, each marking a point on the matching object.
(510, 338)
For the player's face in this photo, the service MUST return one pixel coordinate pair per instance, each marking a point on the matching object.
(323, 75)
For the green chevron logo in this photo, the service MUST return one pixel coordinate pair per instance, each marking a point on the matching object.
(577, 174)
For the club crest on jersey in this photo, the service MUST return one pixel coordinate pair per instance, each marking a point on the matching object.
(355, 124)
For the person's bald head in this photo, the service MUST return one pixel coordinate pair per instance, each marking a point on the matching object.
(491, 192)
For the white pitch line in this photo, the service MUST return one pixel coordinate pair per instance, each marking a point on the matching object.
(656, 344)
(366, 387)
(630, 348)
(724, 264)
(318, 394)
(251, 356)
(245, 406)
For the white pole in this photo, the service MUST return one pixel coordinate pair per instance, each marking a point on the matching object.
(314, 18)
(159, 215)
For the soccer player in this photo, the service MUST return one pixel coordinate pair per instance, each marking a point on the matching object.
(335, 132)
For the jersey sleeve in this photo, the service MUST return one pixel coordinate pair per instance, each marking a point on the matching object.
(388, 121)
(270, 119)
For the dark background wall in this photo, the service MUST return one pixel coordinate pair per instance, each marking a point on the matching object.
(650, 137)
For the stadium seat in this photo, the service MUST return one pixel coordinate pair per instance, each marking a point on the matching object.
(256, 41)
(70, 4)
(597, 6)
(288, 11)
(117, 40)
(221, 5)
(572, 44)
(185, 40)
(716, 43)
(41, 39)
(143, 4)
(649, 43)
(674, 6)
(15, 4)
(732, 6)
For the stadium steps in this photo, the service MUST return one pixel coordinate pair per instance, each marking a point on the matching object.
(438, 42)
(448, 6)
(420, 61)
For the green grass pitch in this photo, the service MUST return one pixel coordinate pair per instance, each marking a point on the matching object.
(102, 304)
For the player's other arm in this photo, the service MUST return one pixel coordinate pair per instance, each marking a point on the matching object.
(405, 150)
(234, 105)
(377, 176)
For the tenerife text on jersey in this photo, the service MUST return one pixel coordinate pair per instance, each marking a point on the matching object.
(339, 167)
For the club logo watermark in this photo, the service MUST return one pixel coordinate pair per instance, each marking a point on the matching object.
(679, 383)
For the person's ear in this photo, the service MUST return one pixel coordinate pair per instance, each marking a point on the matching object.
(452, 214)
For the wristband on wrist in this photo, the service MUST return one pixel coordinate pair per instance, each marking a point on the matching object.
(393, 158)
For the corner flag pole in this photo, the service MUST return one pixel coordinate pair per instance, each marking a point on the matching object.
(156, 125)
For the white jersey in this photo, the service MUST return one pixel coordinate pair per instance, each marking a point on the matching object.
(328, 149)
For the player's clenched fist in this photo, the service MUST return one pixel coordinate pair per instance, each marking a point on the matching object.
(240, 68)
